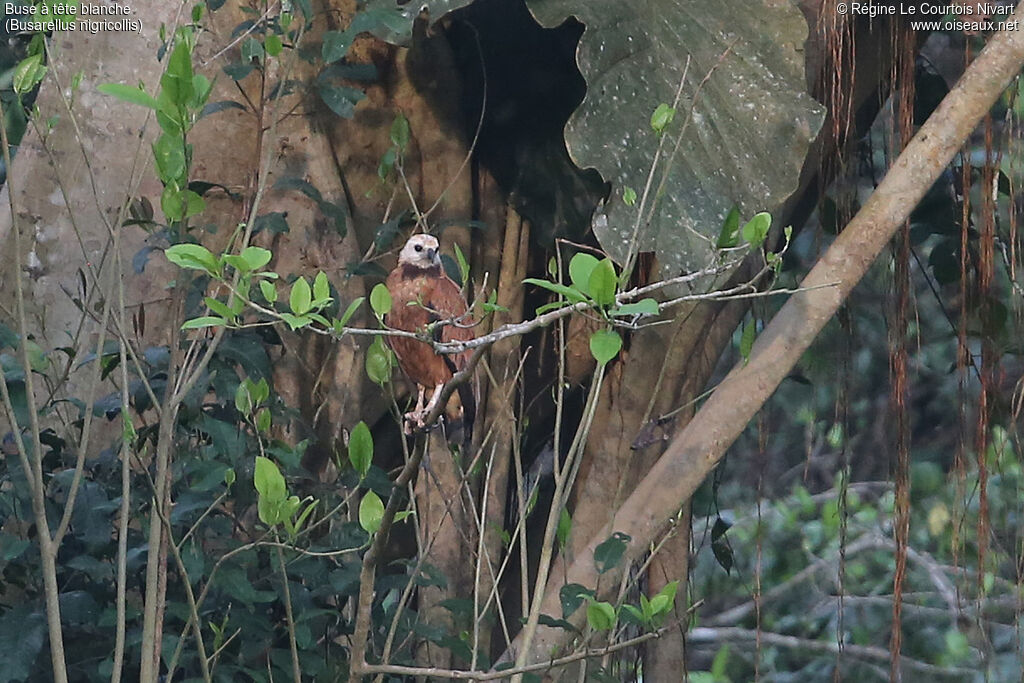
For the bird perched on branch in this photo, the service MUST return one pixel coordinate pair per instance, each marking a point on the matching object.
(424, 298)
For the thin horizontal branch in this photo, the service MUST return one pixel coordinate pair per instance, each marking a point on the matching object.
(517, 329)
(733, 615)
(455, 674)
(731, 634)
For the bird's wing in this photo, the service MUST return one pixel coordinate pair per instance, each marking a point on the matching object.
(417, 359)
(446, 302)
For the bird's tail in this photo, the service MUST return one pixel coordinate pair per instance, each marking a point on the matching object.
(468, 397)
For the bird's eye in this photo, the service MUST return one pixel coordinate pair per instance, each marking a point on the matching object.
(418, 247)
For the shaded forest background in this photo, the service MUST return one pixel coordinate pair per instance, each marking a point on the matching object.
(865, 525)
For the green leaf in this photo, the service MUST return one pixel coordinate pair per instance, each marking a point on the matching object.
(37, 359)
(602, 283)
(177, 79)
(719, 663)
(304, 515)
(204, 321)
(747, 339)
(172, 203)
(260, 390)
(554, 305)
(380, 299)
(268, 480)
(256, 257)
(193, 256)
(642, 307)
(252, 49)
(273, 492)
(169, 115)
(729, 236)
(755, 231)
(573, 295)
(269, 511)
(243, 399)
(335, 46)
(127, 93)
(491, 305)
(29, 73)
(218, 307)
(268, 290)
(662, 116)
(571, 596)
(295, 322)
(580, 268)
(564, 528)
(237, 71)
(301, 297)
(194, 204)
(169, 157)
(629, 196)
(341, 99)
(460, 258)
(201, 88)
(263, 420)
(400, 132)
(371, 512)
(272, 44)
(665, 599)
(605, 345)
(321, 289)
(229, 476)
(378, 362)
(22, 635)
(608, 555)
(360, 448)
(350, 311)
(387, 162)
(600, 616)
(631, 615)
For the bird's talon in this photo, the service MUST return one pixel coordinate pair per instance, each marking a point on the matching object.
(416, 421)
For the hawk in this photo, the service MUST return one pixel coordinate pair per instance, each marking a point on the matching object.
(422, 294)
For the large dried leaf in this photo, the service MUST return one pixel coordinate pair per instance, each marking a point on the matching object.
(751, 124)
(746, 129)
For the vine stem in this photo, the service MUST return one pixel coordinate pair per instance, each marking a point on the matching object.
(33, 469)
(289, 617)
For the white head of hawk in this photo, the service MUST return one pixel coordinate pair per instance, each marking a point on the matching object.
(421, 251)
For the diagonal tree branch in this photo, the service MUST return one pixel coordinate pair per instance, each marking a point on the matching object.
(695, 451)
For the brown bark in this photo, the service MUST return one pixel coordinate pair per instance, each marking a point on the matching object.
(665, 659)
(500, 432)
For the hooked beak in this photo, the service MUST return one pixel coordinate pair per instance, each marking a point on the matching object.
(433, 256)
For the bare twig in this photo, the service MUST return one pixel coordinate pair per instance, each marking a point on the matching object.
(456, 674)
(33, 466)
(703, 634)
